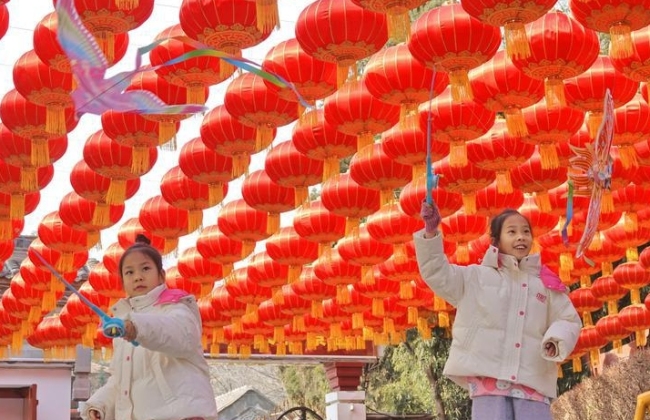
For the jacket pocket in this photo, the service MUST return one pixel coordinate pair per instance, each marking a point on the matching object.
(161, 381)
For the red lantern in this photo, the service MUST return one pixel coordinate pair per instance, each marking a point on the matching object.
(245, 290)
(204, 166)
(456, 123)
(635, 66)
(618, 18)
(11, 184)
(225, 135)
(465, 180)
(317, 139)
(105, 18)
(48, 48)
(312, 78)
(413, 193)
(106, 283)
(253, 103)
(463, 43)
(310, 287)
(44, 86)
(94, 187)
(490, 201)
(195, 74)
(195, 268)
(345, 197)
(499, 151)
(174, 280)
(65, 239)
(131, 228)
(317, 224)
(631, 125)
(267, 272)
(271, 314)
(397, 13)
(533, 177)
(606, 289)
(632, 276)
(229, 26)
(161, 218)
(372, 168)
(288, 248)
(462, 228)
(611, 329)
(182, 192)
(216, 246)
(359, 34)
(114, 161)
(394, 76)
(636, 318)
(336, 271)
(226, 305)
(353, 110)
(295, 305)
(288, 167)
(500, 86)
(29, 120)
(239, 221)
(83, 214)
(362, 249)
(560, 48)
(4, 20)
(587, 91)
(263, 194)
(391, 226)
(512, 15)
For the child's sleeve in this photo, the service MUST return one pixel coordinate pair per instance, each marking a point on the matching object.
(103, 400)
(564, 328)
(446, 280)
(176, 331)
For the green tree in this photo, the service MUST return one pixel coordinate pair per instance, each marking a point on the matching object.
(305, 385)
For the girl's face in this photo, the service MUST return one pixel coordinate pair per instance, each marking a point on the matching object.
(516, 238)
(140, 275)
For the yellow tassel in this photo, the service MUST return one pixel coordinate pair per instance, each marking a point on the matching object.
(342, 74)
(594, 119)
(543, 201)
(343, 294)
(127, 4)
(101, 215)
(140, 160)
(277, 296)
(607, 267)
(351, 224)
(331, 167)
(365, 140)
(6, 229)
(412, 315)
(267, 15)
(247, 248)
(443, 320)
(635, 296)
(194, 220)
(93, 238)
(458, 154)
(461, 90)
(167, 144)
(627, 154)
(28, 179)
(116, 193)
(40, 153)
(272, 223)
(632, 254)
(399, 26)
(462, 253)
(641, 338)
(621, 46)
(504, 182)
(55, 120)
(298, 323)
(196, 94)
(215, 194)
(34, 314)
(389, 326)
(554, 93)
(469, 203)
(293, 273)
(560, 372)
(263, 137)
(312, 341)
(516, 123)
(301, 195)
(166, 132)
(618, 346)
(367, 275)
(335, 330)
(16, 343)
(239, 164)
(566, 261)
(378, 309)
(517, 45)
(577, 364)
(630, 221)
(206, 289)
(548, 156)
(357, 321)
(424, 328)
(16, 206)
(406, 290)
(317, 309)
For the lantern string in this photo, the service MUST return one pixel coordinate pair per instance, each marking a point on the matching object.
(97, 94)
(432, 178)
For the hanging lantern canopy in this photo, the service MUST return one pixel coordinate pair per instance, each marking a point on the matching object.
(55, 234)
(499, 151)
(107, 18)
(397, 13)
(345, 197)
(195, 74)
(402, 272)
(456, 123)
(288, 248)
(631, 125)
(462, 43)
(114, 161)
(29, 120)
(338, 272)
(630, 199)
(267, 272)
(462, 228)
(465, 180)
(286, 166)
(204, 166)
(229, 26)
(353, 110)
(239, 221)
(500, 86)
(312, 78)
(226, 305)
(182, 192)
(80, 213)
(174, 280)
(263, 194)
(226, 136)
(245, 290)
(317, 224)
(195, 268)
(310, 287)
(413, 194)
(19, 152)
(628, 239)
(44, 86)
(317, 139)
(161, 218)
(216, 246)
(587, 91)
(560, 48)
(617, 18)
(364, 32)
(636, 318)
(128, 233)
(549, 126)
(11, 184)
(295, 305)
(362, 249)
(532, 177)
(394, 76)
(48, 48)
(370, 167)
(391, 226)
(636, 66)
(512, 15)
(249, 100)
(491, 201)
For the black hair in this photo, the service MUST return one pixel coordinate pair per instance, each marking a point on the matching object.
(496, 224)
(143, 245)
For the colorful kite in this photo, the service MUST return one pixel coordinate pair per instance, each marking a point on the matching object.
(590, 174)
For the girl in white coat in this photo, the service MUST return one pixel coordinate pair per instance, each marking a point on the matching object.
(514, 320)
(158, 371)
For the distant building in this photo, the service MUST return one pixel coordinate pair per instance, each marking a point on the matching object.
(244, 403)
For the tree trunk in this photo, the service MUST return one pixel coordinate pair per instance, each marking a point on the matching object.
(435, 390)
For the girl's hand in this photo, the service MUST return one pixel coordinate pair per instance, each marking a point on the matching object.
(94, 415)
(431, 216)
(551, 349)
(130, 333)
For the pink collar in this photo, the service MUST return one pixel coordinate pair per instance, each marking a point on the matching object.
(171, 296)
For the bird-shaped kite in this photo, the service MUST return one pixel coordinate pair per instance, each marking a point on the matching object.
(590, 174)
(96, 94)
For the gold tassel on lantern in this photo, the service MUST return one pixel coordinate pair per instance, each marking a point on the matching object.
(554, 93)
(317, 309)
(40, 153)
(116, 193)
(293, 273)
(331, 167)
(167, 131)
(267, 15)
(621, 45)
(55, 119)
(469, 203)
(272, 223)
(277, 297)
(627, 154)
(632, 254)
(399, 24)
(378, 309)
(263, 137)
(548, 156)
(458, 154)
(301, 195)
(351, 224)
(461, 90)
(364, 140)
(140, 160)
(367, 275)
(106, 42)
(28, 179)
(215, 194)
(239, 164)
(196, 94)
(504, 182)
(127, 4)
(16, 206)
(517, 45)
(543, 201)
(594, 119)
(101, 215)
(406, 290)
(462, 253)
(357, 321)
(630, 221)
(515, 123)
(342, 294)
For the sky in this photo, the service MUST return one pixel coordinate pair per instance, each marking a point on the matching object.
(24, 15)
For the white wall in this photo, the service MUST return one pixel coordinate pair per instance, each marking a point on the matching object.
(53, 390)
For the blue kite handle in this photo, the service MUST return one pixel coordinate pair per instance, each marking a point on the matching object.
(115, 328)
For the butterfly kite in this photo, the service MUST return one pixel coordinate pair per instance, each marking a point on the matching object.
(591, 174)
(96, 94)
